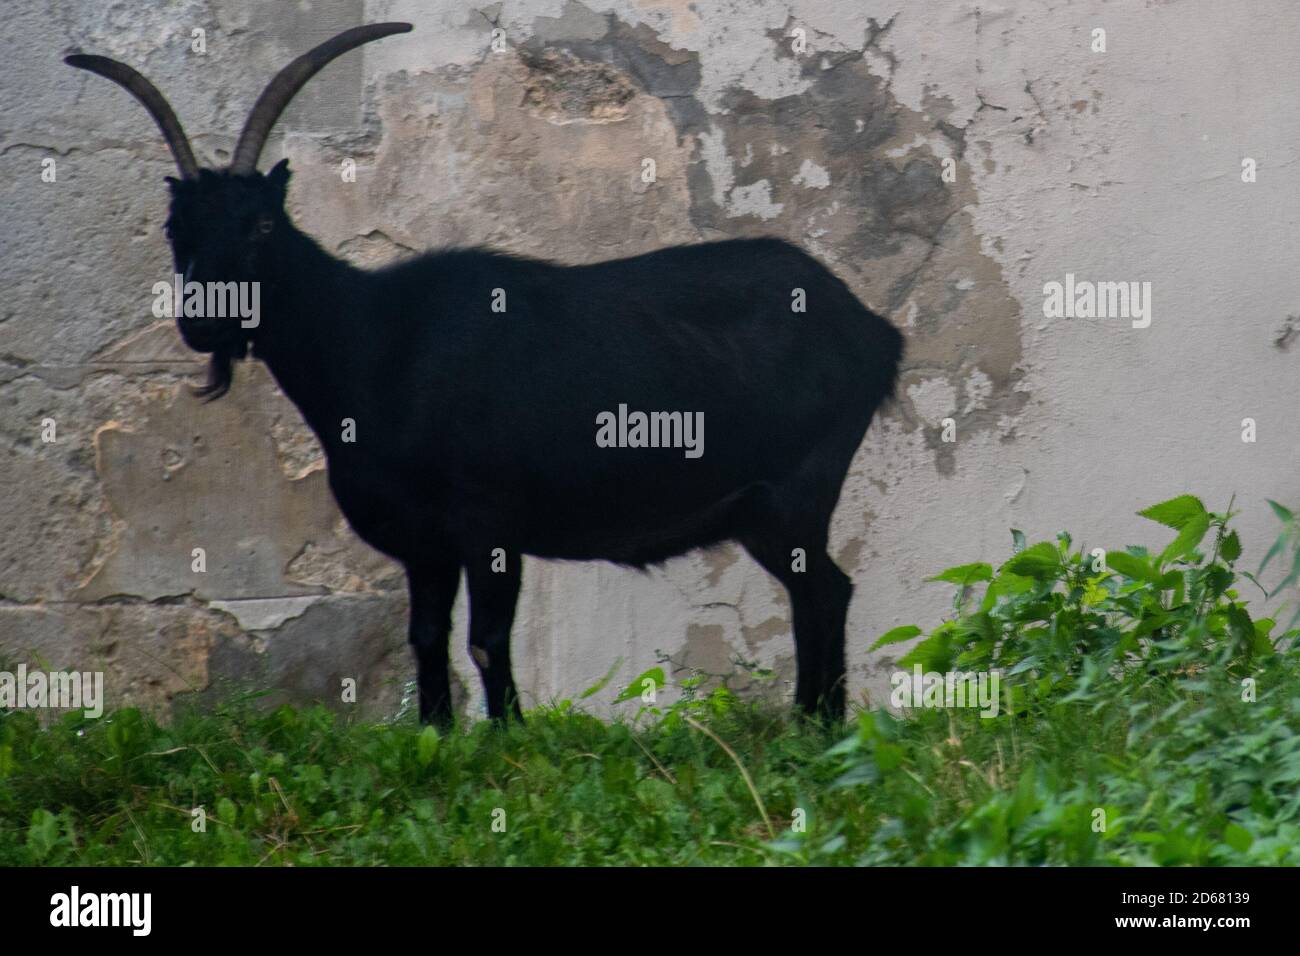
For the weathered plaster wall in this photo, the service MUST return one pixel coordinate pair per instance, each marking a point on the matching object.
(1118, 166)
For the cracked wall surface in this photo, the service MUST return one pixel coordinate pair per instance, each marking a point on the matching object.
(945, 159)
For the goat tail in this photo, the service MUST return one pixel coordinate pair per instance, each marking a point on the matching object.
(888, 350)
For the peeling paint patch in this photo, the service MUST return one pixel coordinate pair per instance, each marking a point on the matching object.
(718, 560)
(933, 398)
(979, 390)
(264, 614)
(707, 650)
(753, 200)
(812, 176)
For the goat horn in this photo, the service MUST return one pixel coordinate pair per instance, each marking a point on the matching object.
(289, 81)
(153, 101)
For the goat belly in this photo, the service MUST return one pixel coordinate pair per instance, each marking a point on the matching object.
(607, 492)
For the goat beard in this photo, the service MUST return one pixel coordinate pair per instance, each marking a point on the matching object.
(221, 372)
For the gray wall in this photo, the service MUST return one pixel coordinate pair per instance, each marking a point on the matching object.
(1123, 165)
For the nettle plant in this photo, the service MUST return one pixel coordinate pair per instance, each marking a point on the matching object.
(1058, 620)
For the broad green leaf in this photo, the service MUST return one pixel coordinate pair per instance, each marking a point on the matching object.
(1231, 548)
(1004, 586)
(1263, 643)
(227, 812)
(1041, 561)
(897, 635)
(1017, 541)
(1176, 512)
(43, 833)
(1237, 837)
(1094, 595)
(1188, 538)
(1153, 623)
(888, 756)
(964, 574)
(1239, 620)
(1131, 566)
(934, 653)
(426, 745)
(1172, 581)
(639, 686)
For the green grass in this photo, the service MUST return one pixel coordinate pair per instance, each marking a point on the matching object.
(1148, 718)
(1184, 771)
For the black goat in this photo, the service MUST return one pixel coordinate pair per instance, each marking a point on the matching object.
(459, 436)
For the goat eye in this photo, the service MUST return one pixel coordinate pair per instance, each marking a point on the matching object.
(265, 225)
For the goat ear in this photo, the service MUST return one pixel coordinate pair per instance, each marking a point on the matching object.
(172, 182)
(279, 175)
